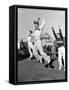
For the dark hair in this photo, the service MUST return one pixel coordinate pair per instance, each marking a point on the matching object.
(36, 22)
(30, 31)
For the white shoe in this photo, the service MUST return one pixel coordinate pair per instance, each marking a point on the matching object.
(30, 58)
(48, 59)
(59, 68)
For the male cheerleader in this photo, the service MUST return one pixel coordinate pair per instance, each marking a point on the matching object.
(61, 49)
(30, 44)
(37, 43)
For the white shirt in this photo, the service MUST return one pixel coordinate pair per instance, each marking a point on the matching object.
(38, 32)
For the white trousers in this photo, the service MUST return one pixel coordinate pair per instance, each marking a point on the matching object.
(61, 54)
(30, 47)
(18, 46)
(37, 56)
(38, 46)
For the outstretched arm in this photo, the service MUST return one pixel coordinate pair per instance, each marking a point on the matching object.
(54, 33)
(61, 34)
(42, 24)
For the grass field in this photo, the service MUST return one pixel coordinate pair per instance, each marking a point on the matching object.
(30, 70)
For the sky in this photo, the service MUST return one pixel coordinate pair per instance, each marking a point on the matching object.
(52, 18)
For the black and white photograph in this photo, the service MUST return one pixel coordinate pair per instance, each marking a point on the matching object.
(37, 44)
(41, 45)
